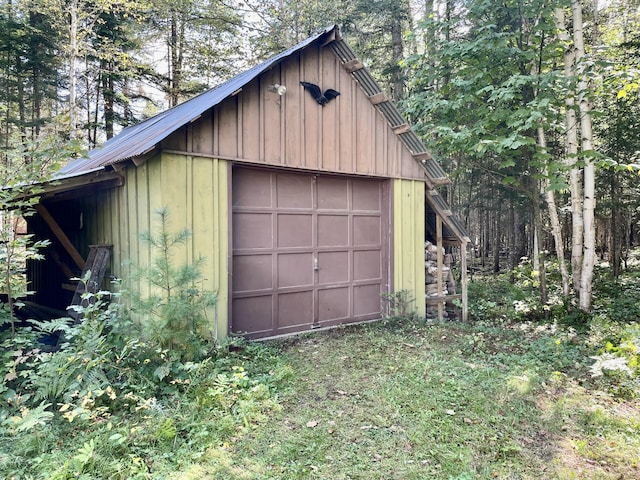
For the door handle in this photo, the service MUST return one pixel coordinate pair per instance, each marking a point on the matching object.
(315, 264)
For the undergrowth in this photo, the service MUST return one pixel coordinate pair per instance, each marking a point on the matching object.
(611, 333)
(514, 393)
(109, 405)
(124, 396)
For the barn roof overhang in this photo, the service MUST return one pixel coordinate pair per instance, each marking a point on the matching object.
(82, 184)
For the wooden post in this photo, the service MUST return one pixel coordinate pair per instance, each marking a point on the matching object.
(463, 279)
(439, 273)
(61, 236)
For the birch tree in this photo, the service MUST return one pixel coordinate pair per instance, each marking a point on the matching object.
(586, 141)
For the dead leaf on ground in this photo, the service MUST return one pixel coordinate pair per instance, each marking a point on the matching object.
(312, 423)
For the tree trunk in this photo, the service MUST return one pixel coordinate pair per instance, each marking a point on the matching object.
(496, 242)
(108, 95)
(73, 67)
(616, 234)
(538, 254)
(575, 176)
(556, 228)
(397, 54)
(512, 225)
(586, 131)
(174, 67)
(37, 90)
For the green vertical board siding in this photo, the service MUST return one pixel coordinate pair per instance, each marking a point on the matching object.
(195, 192)
(408, 240)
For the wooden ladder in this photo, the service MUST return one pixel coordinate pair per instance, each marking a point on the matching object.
(96, 268)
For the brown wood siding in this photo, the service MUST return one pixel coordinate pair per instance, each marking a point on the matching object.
(258, 126)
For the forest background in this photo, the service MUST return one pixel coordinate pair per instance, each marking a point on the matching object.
(531, 106)
(533, 109)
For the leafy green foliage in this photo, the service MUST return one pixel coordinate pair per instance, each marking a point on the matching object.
(94, 407)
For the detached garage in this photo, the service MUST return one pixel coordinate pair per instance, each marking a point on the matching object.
(306, 209)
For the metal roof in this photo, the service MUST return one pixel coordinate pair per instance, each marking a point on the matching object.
(143, 137)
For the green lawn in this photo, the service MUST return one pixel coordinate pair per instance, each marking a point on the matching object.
(408, 400)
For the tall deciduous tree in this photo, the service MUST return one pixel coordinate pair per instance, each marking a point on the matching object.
(482, 90)
(589, 173)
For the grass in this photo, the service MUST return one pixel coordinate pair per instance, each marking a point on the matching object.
(402, 399)
(408, 400)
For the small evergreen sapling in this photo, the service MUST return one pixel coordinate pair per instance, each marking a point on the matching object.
(174, 313)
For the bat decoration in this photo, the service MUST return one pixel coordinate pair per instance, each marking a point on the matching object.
(318, 96)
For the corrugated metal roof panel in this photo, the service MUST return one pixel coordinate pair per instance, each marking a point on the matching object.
(343, 51)
(441, 206)
(458, 224)
(413, 143)
(434, 169)
(143, 137)
(365, 79)
(446, 232)
(391, 113)
(440, 202)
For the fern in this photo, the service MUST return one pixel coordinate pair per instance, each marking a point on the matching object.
(30, 419)
(55, 375)
(166, 430)
(57, 325)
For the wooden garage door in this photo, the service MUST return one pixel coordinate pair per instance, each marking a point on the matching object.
(308, 251)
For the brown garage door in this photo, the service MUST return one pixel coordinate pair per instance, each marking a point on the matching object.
(308, 251)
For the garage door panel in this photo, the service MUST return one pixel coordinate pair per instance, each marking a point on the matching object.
(333, 193)
(333, 267)
(295, 269)
(366, 300)
(251, 189)
(252, 272)
(366, 230)
(366, 195)
(253, 314)
(295, 309)
(252, 230)
(333, 230)
(294, 191)
(295, 230)
(367, 265)
(333, 304)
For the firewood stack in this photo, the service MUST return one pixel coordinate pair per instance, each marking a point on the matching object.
(431, 278)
